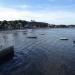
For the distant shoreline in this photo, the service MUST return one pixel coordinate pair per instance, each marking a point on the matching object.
(19, 30)
(22, 24)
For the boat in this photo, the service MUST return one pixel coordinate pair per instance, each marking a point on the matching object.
(24, 32)
(64, 39)
(74, 41)
(42, 34)
(31, 34)
(32, 37)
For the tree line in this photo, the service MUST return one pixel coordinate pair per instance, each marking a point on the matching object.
(22, 24)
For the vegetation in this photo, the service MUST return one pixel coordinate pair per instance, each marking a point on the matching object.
(22, 24)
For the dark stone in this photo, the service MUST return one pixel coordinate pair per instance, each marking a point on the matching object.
(6, 54)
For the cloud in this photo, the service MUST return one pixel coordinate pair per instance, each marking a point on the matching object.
(23, 6)
(57, 17)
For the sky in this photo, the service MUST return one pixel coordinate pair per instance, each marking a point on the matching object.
(50, 11)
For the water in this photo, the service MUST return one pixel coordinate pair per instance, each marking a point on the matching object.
(44, 55)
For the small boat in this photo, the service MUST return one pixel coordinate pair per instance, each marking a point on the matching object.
(64, 39)
(42, 34)
(74, 41)
(32, 37)
(24, 32)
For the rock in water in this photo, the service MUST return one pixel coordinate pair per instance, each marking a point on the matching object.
(6, 54)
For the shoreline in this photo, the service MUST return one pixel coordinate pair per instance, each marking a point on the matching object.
(32, 28)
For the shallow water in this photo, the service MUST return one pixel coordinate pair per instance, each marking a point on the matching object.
(44, 55)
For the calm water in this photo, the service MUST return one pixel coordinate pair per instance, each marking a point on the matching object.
(44, 55)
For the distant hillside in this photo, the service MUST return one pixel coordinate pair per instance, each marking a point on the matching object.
(22, 24)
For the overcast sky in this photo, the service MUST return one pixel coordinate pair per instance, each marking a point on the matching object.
(51, 11)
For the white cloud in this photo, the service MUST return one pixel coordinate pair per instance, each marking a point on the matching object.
(57, 17)
(23, 6)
